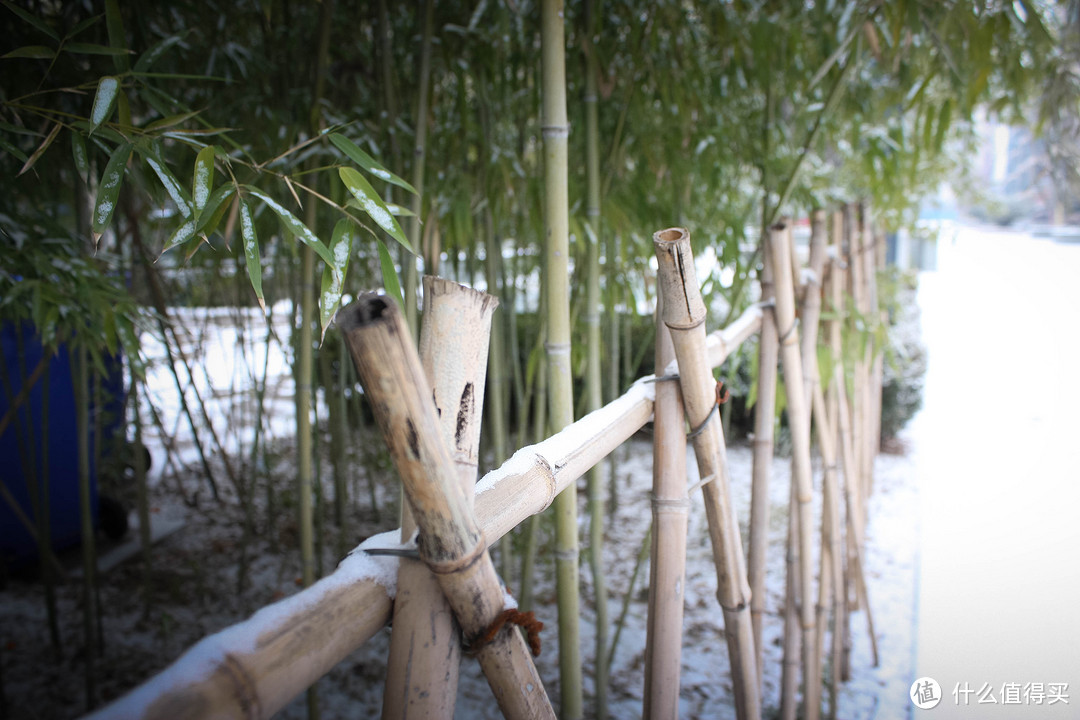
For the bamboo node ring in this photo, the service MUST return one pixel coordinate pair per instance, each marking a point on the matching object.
(555, 131)
(557, 348)
(525, 620)
(670, 505)
(662, 378)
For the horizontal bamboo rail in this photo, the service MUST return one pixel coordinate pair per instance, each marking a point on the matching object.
(254, 668)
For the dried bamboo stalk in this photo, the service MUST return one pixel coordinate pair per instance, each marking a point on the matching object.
(667, 568)
(853, 503)
(684, 314)
(798, 421)
(425, 645)
(764, 427)
(829, 577)
(451, 542)
(256, 667)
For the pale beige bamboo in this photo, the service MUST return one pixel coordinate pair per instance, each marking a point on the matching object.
(789, 662)
(855, 269)
(828, 575)
(684, 314)
(256, 667)
(761, 474)
(450, 541)
(798, 421)
(870, 313)
(667, 567)
(879, 357)
(425, 645)
(841, 422)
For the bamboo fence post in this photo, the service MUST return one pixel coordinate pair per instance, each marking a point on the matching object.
(684, 314)
(451, 541)
(667, 567)
(425, 645)
(764, 429)
(789, 669)
(799, 422)
(843, 432)
(878, 375)
(831, 562)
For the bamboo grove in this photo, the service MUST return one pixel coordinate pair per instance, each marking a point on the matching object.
(269, 142)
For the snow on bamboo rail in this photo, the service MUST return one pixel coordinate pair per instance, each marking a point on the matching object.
(254, 668)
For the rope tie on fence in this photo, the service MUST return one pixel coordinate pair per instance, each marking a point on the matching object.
(722, 396)
(525, 620)
(788, 334)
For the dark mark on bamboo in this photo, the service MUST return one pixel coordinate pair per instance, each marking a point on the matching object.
(412, 438)
(465, 411)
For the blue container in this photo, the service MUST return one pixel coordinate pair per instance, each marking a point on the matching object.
(21, 444)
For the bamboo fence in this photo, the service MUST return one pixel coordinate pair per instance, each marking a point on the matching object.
(254, 668)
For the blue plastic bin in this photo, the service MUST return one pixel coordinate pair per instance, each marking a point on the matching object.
(17, 546)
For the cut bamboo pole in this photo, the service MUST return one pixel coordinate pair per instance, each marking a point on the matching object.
(798, 421)
(256, 667)
(853, 502)
(830, 582)
(451, 542)
(667, 567)
(764, 427)
(425, 645)
(684, 314)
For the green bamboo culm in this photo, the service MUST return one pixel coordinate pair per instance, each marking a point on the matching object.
(408, 260)
(593, 384)
(556, 132)
(81, 382)
(305, 368)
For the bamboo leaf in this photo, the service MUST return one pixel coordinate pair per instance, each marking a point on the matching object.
(170, 121)
(172, 185)
(109, 190)
(32, 19)
(944, 118)
(389, 274)
(41, 149)
(293, 224)
(81, 48)
(216, 207)
(333, 277)
(203, 182)
(84, 25)
(114, 26)
(31, 52)
(251, 251)
(184, 232)
(9, 148)
(367, 162)
(104, 100)
(373, 205)
(149, 57)
(78, 153)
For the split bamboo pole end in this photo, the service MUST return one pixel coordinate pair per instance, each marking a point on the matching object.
(689, 311)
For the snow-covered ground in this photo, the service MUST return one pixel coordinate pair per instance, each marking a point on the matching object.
(998, 454)
(196, 590)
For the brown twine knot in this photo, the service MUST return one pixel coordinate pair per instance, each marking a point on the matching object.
(525, 620)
